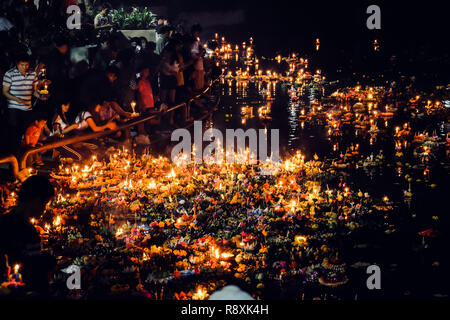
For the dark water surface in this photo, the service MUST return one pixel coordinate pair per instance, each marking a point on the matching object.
(406, 262)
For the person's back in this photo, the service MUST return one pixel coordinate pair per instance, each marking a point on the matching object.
(18, 237)
(58, 65)
(95, 86)
(162, 40)
(126, 79)
(102, 58)
(20, 242)
(106, 113)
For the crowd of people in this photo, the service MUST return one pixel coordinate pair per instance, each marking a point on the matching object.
(47, 95)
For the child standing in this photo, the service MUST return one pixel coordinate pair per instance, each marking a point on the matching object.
(146, 105)
(145, 92)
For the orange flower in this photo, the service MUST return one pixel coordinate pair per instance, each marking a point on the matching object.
(182, 253)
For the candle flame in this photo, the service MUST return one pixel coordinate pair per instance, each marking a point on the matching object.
(57, 221)
(172, 174)
(300, 239)
(152, 184)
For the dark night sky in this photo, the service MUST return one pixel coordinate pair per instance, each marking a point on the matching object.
(338, 23)
(416, 33)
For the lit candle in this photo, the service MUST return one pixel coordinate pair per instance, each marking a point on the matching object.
(17, 277)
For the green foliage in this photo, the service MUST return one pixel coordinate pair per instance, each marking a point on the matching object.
(134, 20)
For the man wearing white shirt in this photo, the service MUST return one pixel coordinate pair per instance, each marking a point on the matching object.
(19, 84)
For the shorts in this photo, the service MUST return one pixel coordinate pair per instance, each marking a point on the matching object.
(168, 82)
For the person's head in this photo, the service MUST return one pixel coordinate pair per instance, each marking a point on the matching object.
(196, 29)
(95, 109)
(162, 21)
(40, 121)
(65, 106)
(165, 31)
(34, 194)
(151, 46)
(134, 42)
(176, 43)
(112, 73)
(180, 29)
(23, 62)
(105, 9)
(61, 44)
(145, 72)
(143, 42)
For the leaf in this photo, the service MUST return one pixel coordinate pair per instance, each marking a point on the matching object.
(136, 19)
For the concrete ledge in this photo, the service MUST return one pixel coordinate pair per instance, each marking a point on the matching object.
(149, 34)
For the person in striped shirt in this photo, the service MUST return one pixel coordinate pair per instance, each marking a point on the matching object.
(19, 85)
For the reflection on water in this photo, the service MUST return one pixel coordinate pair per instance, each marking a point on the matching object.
(364, 141)
(265, 104)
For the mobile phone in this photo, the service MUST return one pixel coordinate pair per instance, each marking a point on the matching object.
(138, 48)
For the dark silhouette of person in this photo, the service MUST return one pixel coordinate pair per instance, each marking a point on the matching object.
(20, 242)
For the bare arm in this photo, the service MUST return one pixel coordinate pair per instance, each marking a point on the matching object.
(27, 140)
(11, 97)
(70, 128)
(103, 26)
(95, 128)
(46, 130)
(118, 109)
